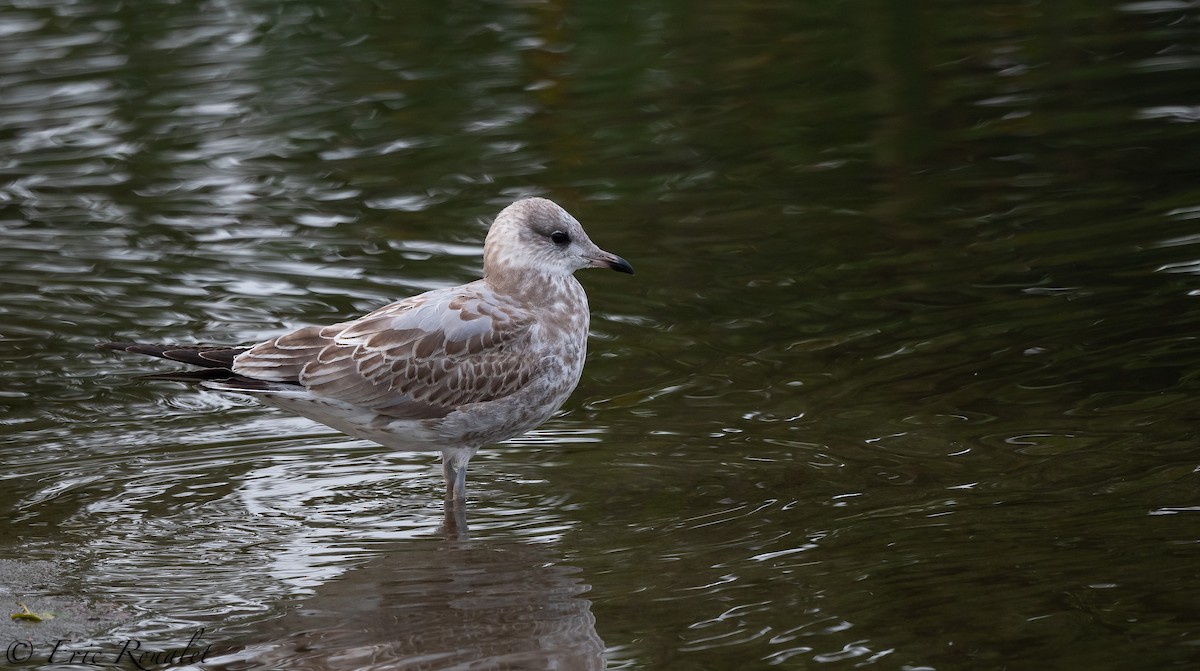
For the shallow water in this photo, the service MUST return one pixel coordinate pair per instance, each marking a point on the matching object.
(906, 378)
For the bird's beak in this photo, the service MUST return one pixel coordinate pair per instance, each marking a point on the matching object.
(602, 259)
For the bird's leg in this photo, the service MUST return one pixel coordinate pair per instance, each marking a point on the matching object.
(454, 470)
(454, 523)
(456, 481)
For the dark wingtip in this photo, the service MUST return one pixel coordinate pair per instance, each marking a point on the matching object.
(620, 265)
(208, 356)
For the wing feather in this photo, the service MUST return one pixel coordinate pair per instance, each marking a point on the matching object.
(418, 358)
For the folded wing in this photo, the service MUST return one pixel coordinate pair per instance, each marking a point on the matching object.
(415, 359)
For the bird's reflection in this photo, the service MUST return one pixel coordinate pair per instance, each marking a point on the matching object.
(437, 604)
(454, 520)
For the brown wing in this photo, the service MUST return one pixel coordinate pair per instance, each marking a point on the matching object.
(419, 358)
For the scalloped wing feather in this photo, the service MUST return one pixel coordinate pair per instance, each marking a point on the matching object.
(415, 359)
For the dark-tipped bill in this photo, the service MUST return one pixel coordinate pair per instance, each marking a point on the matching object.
(611, 261)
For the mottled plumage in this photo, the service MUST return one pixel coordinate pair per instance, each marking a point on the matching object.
(451, 369)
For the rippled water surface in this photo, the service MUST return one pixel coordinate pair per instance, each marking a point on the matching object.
(907, 378)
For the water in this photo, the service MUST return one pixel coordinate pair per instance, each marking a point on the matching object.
(906, 379)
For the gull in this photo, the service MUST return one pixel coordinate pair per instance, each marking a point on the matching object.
(451, 369)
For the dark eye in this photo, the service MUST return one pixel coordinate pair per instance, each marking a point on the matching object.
(559, 238)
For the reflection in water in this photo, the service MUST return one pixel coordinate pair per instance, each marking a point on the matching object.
(436, 605)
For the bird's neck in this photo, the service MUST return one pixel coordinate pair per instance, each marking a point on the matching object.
(540, 289)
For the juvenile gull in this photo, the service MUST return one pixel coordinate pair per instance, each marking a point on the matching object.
(450, 369)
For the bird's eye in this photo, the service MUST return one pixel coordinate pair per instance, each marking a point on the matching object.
(559, 238)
